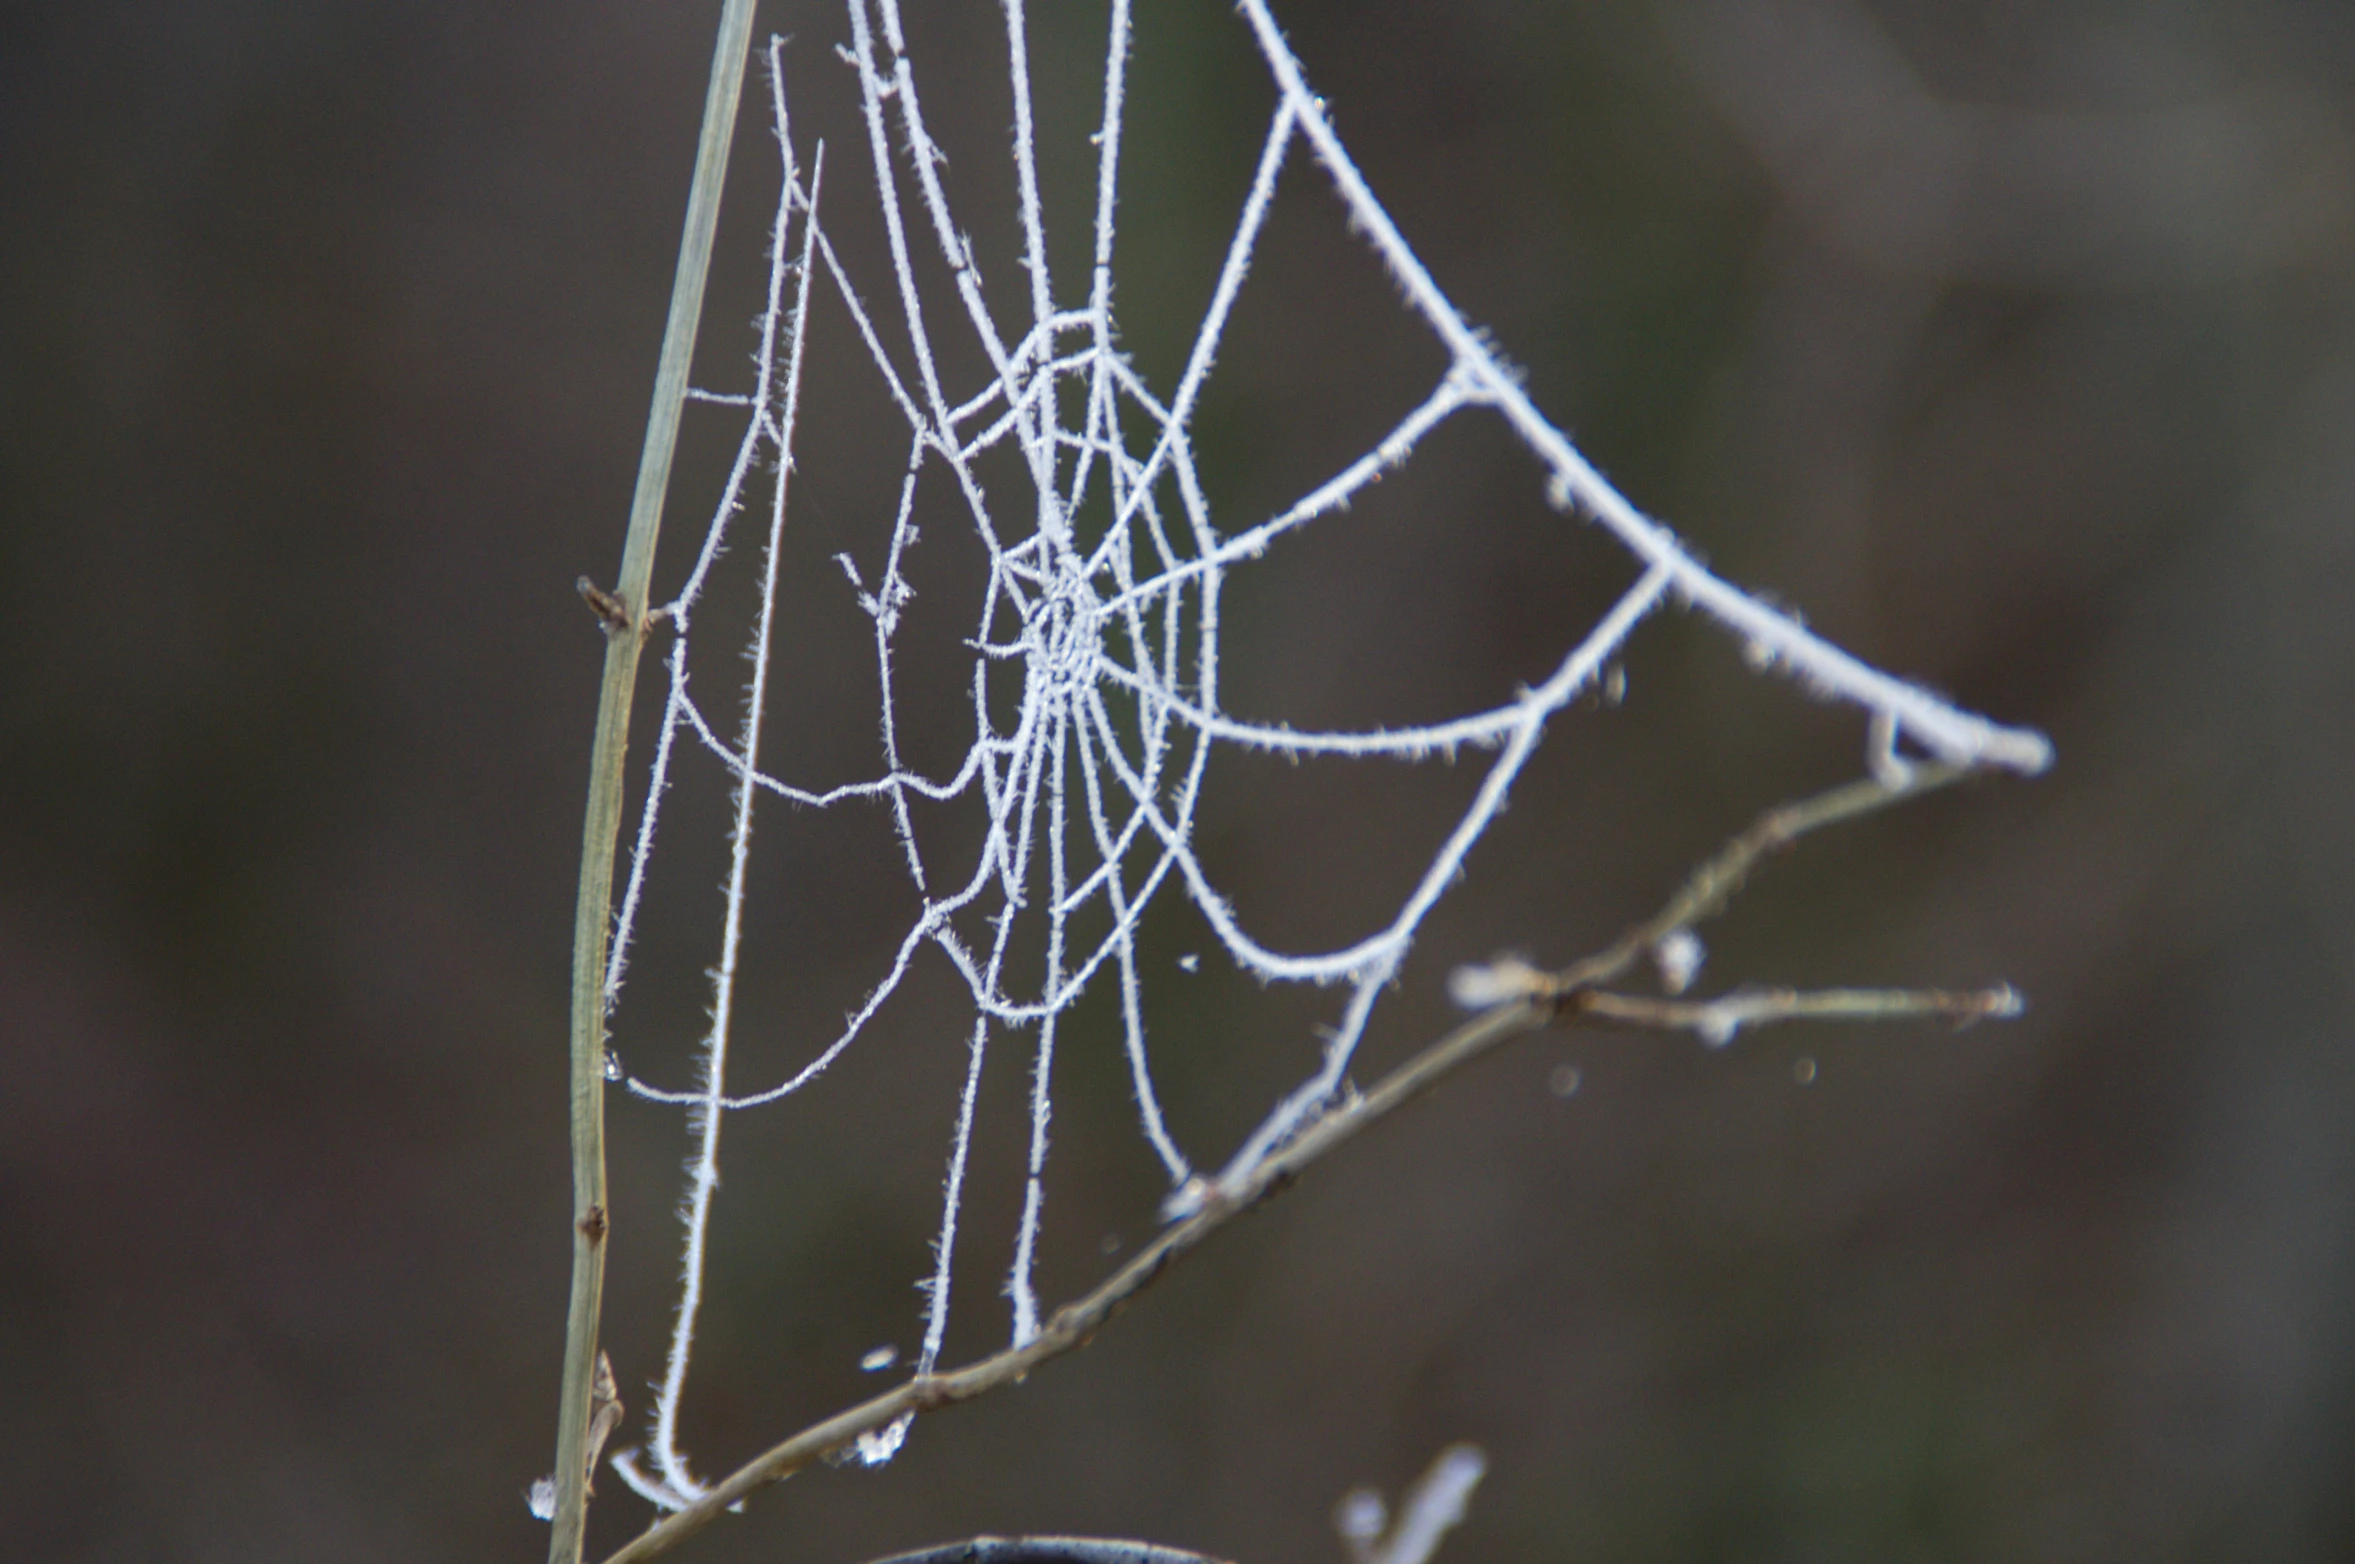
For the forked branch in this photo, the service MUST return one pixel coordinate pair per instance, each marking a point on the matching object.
(1527, 1001)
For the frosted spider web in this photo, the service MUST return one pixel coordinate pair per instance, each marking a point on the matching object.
(1091, 788)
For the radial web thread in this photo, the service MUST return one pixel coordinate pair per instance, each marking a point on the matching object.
(1091, 788)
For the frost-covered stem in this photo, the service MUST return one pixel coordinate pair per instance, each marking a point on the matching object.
(602, 830)
(1548, 998)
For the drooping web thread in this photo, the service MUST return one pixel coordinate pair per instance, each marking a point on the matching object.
(1091, 787)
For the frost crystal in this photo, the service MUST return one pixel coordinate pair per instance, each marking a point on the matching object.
(877, 1446)
(1497, 982)
(1679, 958)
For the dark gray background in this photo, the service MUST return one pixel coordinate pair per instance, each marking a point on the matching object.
(2011, 342)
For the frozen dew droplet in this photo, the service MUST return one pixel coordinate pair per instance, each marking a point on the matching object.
(1717, 1028)
(1759, 655)
(613, 1069)
(1803, 1070)
(1679, 957)
(1564, 1080)
(1476, 987)
(1186, 1199)
(877, 1446)
(542, 1498)
(1614, 684)
(1360, 1516)
(1189, 962)
(878, 1359)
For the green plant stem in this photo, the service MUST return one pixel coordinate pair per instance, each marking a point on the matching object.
(625, 614)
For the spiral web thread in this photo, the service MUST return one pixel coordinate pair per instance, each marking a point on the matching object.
(1091, 788)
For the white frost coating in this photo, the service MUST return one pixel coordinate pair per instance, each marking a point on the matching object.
(877, 1446)
(1091, 786)
(1435, 1504)
(671, 1484)
(1360, 1518)
(1679, 956)
(1430, 1509)
(1497, 982)
(1953, 735)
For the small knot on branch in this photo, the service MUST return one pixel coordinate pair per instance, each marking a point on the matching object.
(611, 610)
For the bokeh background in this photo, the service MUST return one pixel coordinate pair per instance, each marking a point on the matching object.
(2014, 343)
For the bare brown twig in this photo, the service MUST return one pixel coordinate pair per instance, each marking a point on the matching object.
(1535, 1003)
(1718, 1020)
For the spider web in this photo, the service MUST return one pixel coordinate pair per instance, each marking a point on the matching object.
(1111, 642)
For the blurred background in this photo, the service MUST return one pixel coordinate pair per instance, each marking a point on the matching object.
(2012, 343)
